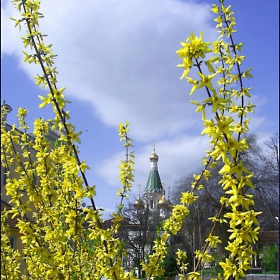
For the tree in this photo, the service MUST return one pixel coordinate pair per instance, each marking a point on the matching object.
(208, 204)
(272, 158)
(138, 232)
(169, 265)
(264, 166)
(270, 257)
(266, 192)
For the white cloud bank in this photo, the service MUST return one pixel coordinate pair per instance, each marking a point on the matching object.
(177, 158)
(119, 56)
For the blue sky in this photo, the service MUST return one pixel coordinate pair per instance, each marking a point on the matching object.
(117, 60)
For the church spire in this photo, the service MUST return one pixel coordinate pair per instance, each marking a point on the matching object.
(138, 203)
(154, 182)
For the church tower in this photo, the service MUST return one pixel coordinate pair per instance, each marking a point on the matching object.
(154, 190)
(154, 194)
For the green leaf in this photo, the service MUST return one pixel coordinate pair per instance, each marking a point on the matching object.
(120, 208)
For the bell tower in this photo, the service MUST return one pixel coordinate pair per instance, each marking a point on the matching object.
(154, 190)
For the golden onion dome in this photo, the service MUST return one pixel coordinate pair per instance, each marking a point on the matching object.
(154, 156)
(163, 202)
(138, 203)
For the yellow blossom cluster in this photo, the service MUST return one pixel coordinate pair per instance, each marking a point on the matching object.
(60, 239)
(10, 258)
(46, 182)
(126, 167)
(226, 129)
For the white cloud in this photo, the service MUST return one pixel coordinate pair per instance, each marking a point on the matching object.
(177, 157)
(10, 36)
(119, 56)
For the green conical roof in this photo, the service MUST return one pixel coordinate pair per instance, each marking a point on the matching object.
(154, 183)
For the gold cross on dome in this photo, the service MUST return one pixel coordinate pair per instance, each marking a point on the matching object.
(163, 184)
(154, 144)
(139, 185)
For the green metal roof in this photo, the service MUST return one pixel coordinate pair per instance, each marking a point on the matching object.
(154, 182)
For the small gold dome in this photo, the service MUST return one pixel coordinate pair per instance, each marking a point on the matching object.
(154, 156)
(163, 202)
(138, 203)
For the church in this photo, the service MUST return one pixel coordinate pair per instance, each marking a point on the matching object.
(154, 194)
(144, 218)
